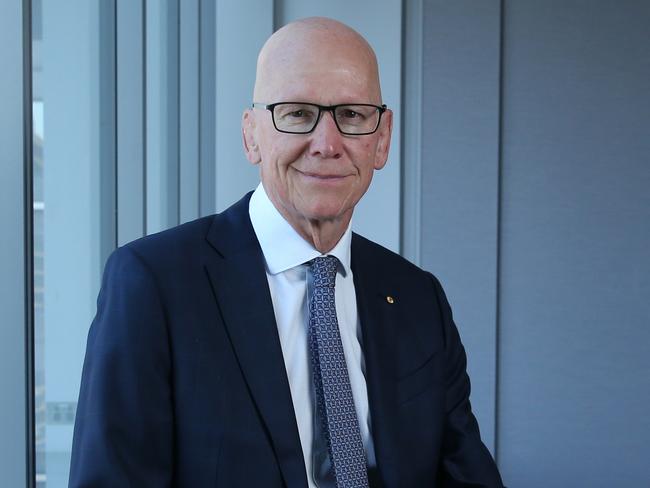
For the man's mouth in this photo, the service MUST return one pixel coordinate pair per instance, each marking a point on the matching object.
(323, 176)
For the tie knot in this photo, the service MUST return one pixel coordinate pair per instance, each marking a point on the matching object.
(323, 270)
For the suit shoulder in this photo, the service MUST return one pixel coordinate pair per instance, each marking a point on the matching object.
(177, 243)
(373, 254)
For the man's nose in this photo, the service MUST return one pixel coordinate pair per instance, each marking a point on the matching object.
(327, 141)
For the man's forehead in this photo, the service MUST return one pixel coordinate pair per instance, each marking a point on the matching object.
(325, 85)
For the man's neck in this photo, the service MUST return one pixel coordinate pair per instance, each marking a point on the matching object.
(323, 235)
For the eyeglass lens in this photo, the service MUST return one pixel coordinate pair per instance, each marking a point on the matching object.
(303, 117)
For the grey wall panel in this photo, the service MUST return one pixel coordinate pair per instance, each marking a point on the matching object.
(460, 171)
(575, 294)
(378, 214)
(13, 375)
(236, 55)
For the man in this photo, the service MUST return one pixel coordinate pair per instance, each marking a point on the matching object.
(269, 346)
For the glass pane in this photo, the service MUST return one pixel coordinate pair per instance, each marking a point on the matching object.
(71, 232)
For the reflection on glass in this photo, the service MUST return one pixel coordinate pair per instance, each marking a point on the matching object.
(39, 207)
(67, 217)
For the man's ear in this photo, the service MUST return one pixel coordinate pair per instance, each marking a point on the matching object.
(383, 144)
(249, 137)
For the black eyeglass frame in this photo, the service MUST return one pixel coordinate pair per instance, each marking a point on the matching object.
(323, 108)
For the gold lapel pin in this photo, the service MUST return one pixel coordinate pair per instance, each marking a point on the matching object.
(390, 299)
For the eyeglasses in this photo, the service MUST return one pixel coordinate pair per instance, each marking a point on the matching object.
(355, 119)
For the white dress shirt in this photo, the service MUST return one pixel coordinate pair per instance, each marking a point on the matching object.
(285, 254)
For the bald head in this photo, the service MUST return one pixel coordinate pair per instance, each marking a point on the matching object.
(316, 48)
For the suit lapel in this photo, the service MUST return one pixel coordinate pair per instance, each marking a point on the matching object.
(238, 279)
(378, 318)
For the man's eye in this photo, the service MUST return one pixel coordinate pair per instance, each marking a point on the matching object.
(300, 114)
(351, 114)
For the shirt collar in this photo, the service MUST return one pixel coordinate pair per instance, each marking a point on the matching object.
(282, 246)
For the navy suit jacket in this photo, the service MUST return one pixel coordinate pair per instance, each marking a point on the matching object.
(184, 382)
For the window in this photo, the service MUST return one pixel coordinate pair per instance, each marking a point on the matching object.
(70, 238)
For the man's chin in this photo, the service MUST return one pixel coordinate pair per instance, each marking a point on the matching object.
(328, 215)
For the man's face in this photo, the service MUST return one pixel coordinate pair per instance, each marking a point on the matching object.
(322, 175)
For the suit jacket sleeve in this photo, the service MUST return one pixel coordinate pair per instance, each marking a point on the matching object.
(124, 425)
(466, 462)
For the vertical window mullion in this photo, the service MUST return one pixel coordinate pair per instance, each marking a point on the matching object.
(16, 331)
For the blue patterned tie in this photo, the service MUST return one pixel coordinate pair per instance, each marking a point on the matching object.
(334, 399)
